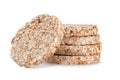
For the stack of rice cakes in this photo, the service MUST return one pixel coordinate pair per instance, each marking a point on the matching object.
(80, 45)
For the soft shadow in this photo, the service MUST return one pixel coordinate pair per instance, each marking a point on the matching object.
(44, 65)
(47, 65)
(76, 65)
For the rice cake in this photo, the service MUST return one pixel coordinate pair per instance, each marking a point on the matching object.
(80, 30)
(84, 50)
(56, 59)
(81, 40)
(34, 43)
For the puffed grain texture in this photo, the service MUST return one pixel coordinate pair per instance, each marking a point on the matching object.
(34, 43)
(56, 59)
(84, 50)
(80, 30)
(81, 40)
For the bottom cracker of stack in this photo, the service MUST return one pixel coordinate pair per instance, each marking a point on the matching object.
(58, 59)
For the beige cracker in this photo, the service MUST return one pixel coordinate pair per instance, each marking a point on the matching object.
(56, 59)
(34, 43)
(81, 40)
(79, 50)
(80, 30)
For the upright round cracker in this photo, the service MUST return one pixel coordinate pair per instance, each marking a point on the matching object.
(34, 43)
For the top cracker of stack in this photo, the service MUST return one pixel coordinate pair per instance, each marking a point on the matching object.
(80, 30)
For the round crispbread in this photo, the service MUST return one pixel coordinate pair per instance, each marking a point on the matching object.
(34, 43)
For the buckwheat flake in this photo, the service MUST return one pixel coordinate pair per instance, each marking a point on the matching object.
(34, 43)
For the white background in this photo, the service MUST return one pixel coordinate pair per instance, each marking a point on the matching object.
(104, 13)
